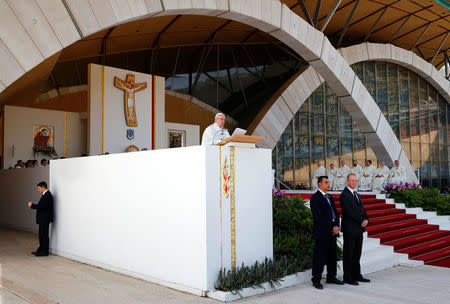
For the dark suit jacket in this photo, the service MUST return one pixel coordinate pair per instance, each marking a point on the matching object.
(353, 212)
(44, 209)
(322, 216)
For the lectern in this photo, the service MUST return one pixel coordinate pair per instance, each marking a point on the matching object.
(170, 216)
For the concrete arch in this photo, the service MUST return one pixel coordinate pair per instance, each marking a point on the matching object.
(31, 31)
(391, 53)
(290, 101)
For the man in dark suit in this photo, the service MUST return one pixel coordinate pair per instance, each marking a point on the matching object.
(44, 216)
(354, 222)
(325, 232)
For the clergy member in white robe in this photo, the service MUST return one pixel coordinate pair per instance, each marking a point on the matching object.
(397, 174)
(365, 182)
(331, 173)
(319, 171)
(216, 132)
(341, 176)
(380, 177)
(357, 170)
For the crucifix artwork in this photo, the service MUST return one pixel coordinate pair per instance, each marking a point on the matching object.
(130, 88)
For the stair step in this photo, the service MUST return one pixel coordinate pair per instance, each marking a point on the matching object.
(435, 255)
(394, 226)
(379, 207)
(445, 262)
(403, 233)
(417, 239)
(374, 202)
(381, 213)
(391, 219)
(427, 247)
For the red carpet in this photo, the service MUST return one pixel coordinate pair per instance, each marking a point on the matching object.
(407, 234)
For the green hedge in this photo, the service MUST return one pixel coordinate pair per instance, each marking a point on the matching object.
(292, 229)
(427, 199)
(293, 247)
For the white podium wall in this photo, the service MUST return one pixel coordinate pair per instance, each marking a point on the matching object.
(156, 215)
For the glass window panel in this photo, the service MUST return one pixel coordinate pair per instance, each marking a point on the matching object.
(305, 106)
(381, 83)
(302, 171)
(287, 144)
(331, 103)
(433, 99)
(404, 99)
(434, 169)
(392, 89)
(369, 78)
(406, 148)
(288, 174)
(404, 125)
(425, 169)
(317, 102)
(404, 77)
(423, 94)
(317, 124)
(358, 68)
(442, 153)
(332, 125)
(346, 149)
(425, 152)
(317, 147)
(302, 147)
(371, 155)
(358, 144)
(393, 121)
(280, 169)
(415, 151)
(332, 147)
(444, 170)
(345, 124)
(303, 124)
(434, 152)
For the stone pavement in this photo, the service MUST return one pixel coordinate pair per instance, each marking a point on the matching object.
(26, 279)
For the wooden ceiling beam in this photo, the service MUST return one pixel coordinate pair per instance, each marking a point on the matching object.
(317, 12)
(347, 23)
(376, 22)
(425, 24)
(399, 28)
(437, 36)
(305, 11)
(330, 14)
(420, 37)
(406, 16)
(439, 48)
(341, 8)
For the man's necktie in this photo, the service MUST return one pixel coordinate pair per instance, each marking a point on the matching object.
(356, 196)
(329, 203)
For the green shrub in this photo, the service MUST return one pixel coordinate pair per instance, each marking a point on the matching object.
(425, 198)
(254, 276)
(293, 246)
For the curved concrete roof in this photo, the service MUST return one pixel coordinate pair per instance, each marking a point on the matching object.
(33, 31)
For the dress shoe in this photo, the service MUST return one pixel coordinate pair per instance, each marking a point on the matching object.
(317, 285)
(351, 282)
(334, 281)
(361, 279)
(40, 254)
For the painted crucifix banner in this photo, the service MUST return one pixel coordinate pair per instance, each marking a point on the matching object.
(126, 108)
(130, 87)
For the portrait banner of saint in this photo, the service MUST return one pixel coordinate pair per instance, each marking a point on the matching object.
(130, 87)
(42, 137)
